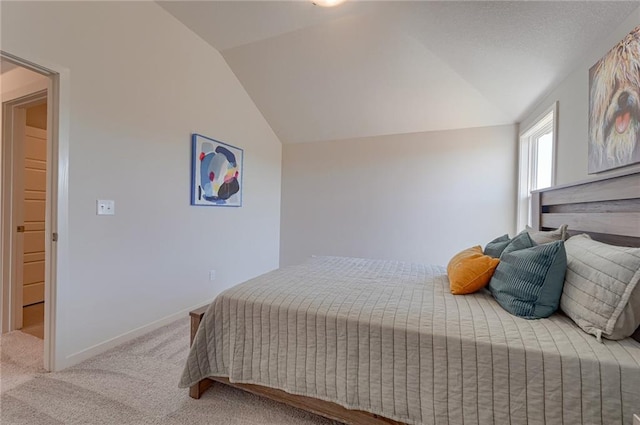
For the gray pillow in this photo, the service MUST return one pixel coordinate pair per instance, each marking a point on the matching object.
(528, 282)
(540, 237)
(601, 291)
(496, 246)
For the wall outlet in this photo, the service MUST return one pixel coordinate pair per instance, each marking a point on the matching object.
(105, 207)
(212, 275)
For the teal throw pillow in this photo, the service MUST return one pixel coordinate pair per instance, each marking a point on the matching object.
(496, 246)
(528, 282)
(521, 241)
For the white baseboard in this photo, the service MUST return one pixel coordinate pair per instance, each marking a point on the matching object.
(636, 419)
(125, 337)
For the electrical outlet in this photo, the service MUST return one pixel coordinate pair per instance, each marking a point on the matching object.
(212, 275)
(105, 207)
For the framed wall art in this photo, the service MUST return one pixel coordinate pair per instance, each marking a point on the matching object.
(614, 107)
(216, 172)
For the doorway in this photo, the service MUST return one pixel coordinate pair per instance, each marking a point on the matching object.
(28, 171)
(30, 194)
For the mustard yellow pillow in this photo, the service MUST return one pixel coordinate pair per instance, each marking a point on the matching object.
(470, 270)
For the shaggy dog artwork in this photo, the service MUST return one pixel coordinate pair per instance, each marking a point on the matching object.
(614, 106)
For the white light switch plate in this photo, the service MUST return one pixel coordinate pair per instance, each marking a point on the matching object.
(105, 207)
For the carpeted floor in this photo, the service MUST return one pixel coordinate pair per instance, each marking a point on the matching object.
(135, 383)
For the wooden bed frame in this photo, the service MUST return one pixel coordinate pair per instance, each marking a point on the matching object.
(608, 209)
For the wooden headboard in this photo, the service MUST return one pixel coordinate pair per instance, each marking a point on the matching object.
(608, 209)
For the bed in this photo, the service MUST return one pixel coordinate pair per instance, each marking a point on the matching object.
(366, 341)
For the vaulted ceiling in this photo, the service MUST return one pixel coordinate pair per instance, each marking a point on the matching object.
(369, 68)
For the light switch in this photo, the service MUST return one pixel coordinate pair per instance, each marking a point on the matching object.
(105, 207)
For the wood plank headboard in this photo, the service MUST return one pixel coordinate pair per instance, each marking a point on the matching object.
(608, 208)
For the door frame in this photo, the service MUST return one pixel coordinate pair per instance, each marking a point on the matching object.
(14, 131)
(57, 203)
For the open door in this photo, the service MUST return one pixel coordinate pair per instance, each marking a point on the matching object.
(33, 198)
(24, 187)
(31, 185)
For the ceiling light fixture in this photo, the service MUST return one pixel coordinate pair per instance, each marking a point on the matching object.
(327, 3)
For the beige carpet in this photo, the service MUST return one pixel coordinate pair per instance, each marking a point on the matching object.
(135, 383)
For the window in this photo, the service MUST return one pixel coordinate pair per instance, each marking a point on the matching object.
(537, 161)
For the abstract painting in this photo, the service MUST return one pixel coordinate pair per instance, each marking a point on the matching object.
(614, 106)
(216, 173)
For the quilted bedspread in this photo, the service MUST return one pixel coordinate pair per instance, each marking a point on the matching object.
(389, 338)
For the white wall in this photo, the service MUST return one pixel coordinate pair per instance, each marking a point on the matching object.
(573, 110)
(415, 197)
(140, 84)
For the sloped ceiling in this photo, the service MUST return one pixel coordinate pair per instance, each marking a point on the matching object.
(369, 68)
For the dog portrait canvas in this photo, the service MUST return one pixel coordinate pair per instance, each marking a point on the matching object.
(614, 106)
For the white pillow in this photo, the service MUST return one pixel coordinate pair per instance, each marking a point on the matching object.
(601, 291)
